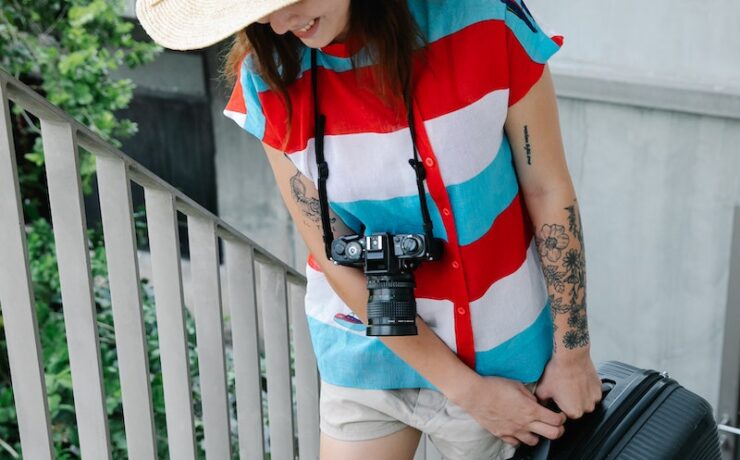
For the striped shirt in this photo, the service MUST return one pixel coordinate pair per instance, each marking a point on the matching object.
(486, 299)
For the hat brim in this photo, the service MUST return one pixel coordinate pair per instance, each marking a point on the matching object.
(194, 24)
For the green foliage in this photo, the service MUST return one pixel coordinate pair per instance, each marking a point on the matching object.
(66, 50)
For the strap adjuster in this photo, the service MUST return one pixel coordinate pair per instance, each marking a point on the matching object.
(323, 168)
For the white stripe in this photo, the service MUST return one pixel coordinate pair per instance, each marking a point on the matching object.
(438, 314)
(374, 166)
(322, 303)
(364, 166)
(510, 305)
(239, 118)
(467, 140)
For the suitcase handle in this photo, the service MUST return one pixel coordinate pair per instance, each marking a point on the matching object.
(542, 449)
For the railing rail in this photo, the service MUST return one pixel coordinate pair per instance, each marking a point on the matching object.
(259, 286)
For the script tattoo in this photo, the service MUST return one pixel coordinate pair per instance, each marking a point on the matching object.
(309, 206)
(564, 267)
(527, 145)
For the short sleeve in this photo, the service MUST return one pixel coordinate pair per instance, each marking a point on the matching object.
(528, 48)
(244, 106)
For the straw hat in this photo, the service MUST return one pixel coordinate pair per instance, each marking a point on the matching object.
(192, 24)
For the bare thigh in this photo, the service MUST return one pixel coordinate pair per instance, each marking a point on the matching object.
(400, 445)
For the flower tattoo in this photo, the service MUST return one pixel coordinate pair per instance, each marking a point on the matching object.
(551, 241)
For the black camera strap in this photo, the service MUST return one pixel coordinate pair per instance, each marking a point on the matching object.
(323, 166)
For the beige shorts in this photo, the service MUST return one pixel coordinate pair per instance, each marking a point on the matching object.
(354, 414)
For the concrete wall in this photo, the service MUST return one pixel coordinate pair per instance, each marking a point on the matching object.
(694, 40)
(650, 112)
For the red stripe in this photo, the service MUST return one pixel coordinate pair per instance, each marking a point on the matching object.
(313, 263)
(523, 71)
(452, 75)
(462, 68)
(236, 101)
(498, 253)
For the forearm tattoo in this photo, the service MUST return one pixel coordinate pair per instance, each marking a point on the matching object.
(564, 267)
(527, 145)
(309, 206)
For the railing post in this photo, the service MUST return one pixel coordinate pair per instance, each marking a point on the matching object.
(306, 376)
(245, 338)
(68, 218)
(164, 241)
(123, 273)
(274, 309)
(17, 302)
(209, 331)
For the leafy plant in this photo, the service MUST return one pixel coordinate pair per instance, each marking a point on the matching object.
(67, 51)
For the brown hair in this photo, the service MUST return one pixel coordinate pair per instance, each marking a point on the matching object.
(386, 27)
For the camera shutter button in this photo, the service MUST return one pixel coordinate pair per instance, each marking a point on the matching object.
(429, 162)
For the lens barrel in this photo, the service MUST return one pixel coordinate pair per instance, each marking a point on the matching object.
(391, 307)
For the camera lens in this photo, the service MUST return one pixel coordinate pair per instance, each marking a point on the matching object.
(391, 308)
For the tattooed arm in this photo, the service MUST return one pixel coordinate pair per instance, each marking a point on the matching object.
(534, 133)
(504, 407)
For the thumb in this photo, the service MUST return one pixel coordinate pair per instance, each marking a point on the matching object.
(542, 392)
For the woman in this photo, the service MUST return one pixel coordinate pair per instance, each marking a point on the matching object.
(505, 306)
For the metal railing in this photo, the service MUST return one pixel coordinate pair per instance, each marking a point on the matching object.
(256, 281)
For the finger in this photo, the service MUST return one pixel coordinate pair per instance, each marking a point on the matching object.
(545, 415)
(527, 438)
(574, 413)
(543, 393)
(510, 440)
(545, 430)
(590, 408)
(525, 391)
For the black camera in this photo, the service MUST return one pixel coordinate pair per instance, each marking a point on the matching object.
(388, 261)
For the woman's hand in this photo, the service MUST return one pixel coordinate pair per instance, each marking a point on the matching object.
(570, 380)
(509, 411)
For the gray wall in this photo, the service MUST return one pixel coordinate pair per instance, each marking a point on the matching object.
(650, 111)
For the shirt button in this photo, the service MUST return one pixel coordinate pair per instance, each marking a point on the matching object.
(446, 212)
(461, 311)
(456, 265)
(429, 162)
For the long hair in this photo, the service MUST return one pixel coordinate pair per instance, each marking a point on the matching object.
(386, 28)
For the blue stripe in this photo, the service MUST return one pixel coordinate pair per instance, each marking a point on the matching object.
(522, 357)
(395, 215)
(440, 18)
(538, 45)
(476, 204)
(347, 217)
(348, 359)
(255, 122)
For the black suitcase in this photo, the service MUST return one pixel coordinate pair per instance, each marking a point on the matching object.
(644, 415)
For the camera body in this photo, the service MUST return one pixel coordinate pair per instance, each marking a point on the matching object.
(388, 262)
